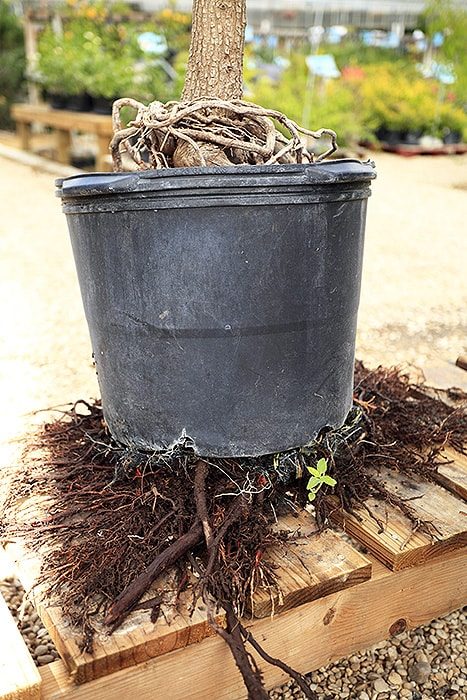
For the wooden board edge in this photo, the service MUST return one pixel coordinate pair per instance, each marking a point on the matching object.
(434, 550)
(19, 676)
(302, 596)
(392, 556)
(452, 474)
(307, 638)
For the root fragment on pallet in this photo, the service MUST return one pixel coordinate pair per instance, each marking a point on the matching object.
(210, 131)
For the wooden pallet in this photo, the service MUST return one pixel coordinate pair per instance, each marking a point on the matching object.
(335, 600)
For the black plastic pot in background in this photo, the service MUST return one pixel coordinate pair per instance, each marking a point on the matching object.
(79, 103)
(222, 302)
(411, 138)
(103, 105)
(389, 136)
(451, 137)
(57, 101)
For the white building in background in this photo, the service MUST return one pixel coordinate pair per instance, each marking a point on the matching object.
(294, 17)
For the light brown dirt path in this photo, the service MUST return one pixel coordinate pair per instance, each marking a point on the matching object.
(45, 355)
(414, 294)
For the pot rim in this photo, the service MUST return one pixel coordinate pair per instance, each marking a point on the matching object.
(332, 172)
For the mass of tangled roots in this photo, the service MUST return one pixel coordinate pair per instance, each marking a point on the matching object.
(209, 131)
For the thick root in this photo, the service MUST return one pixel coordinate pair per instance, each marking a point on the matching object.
(210, 131)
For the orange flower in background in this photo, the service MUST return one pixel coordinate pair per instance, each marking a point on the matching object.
(351, 73)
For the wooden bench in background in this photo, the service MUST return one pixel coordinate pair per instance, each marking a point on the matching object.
(64, 122)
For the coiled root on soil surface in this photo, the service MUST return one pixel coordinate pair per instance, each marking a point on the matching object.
(210, 131)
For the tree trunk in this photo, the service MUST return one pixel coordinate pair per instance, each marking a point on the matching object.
(216, 50)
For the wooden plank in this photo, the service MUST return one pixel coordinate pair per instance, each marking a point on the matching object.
(317, 565)
(453, 474)
(306, 637)
(19, 677)
(24, 134)
(63, 146)
(312, 566)
(390, 535)
(103, 164)
(63, 119)
(136, 641)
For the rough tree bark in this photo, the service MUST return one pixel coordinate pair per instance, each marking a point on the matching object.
(211, 125)
(216, 50)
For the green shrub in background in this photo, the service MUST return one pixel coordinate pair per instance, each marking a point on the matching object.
(362, 102)
(62, 65)
(330, 104)
(451, 20)
(379, 89)
(98, 52)
(12, 62)
(397, 98)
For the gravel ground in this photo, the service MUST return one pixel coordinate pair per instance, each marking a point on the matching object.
(413, 310)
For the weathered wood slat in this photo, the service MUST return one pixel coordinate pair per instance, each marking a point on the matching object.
(19, 677)
(315, 566)
(306, 637)
(391, 536)
(453, 474)
(310, 567)
(136, 641)
(62, 119)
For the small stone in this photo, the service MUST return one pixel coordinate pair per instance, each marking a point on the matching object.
(363, 696)
(381, 686)
(45, 659)
(392, 653)
(395, 679)
(42, 633)
(420, 672)
(41, 649)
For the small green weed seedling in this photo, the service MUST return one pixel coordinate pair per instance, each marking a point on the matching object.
(318, 478)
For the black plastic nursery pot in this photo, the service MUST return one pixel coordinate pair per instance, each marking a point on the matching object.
(57, 101)
(79, 103)
(103, 105)
(221, 302)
